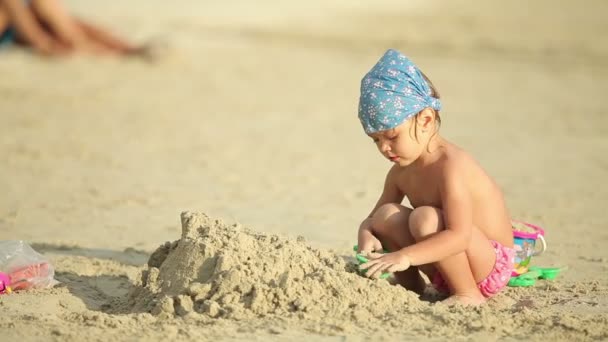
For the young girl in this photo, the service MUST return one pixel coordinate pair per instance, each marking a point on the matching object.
(459, 231)
(49, 29)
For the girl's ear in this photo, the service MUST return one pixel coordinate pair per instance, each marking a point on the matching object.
(426, 119)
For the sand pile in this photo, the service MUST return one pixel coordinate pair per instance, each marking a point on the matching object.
(227, 271)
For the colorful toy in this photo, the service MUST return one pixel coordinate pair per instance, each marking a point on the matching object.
(362, 260)
(529, 278)
(27, 277)
(525, 246)
(21, 267)
(24, 278)
(5, 283)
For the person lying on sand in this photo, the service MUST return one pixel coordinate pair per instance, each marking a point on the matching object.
(47, 27)
(458, 231)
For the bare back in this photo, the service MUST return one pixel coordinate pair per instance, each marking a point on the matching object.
(421, 186)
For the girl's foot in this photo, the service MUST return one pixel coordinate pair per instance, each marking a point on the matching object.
(472, 300)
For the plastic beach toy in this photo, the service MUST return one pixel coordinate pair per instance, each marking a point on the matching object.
(529, 278)
(525, 246)
(24, 278)
(22, 268)
(30, 276)
(362, 260)
(549, 273)
(5, 283)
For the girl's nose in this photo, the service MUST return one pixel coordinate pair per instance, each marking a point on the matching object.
(385, 147)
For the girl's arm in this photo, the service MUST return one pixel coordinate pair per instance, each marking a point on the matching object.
(390, 193)
(458, 220)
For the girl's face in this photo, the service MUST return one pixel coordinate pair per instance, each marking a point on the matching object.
(405, 143)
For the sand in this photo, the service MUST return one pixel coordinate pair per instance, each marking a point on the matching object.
(250, 117)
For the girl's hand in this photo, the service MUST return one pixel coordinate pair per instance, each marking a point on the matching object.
(389, 262)
(367, 241)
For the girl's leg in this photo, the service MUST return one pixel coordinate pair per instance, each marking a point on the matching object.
(464, 270)
(390, 226)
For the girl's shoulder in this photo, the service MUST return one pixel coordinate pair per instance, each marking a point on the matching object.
(456, 159)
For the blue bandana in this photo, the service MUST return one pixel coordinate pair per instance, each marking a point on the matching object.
(391, 92)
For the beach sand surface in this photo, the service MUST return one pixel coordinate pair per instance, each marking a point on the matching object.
(249, 116)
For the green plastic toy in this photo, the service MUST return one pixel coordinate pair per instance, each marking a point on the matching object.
(529, 278)
(362, 260)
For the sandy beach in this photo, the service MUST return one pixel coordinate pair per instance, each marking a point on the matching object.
(249, 116)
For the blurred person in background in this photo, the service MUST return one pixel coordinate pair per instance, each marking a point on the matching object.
(48, 28)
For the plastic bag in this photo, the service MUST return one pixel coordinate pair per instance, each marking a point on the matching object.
(21, 268)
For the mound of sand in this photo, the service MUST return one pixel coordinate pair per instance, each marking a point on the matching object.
(232, 272)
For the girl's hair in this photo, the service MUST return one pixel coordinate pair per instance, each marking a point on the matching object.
(435, 94)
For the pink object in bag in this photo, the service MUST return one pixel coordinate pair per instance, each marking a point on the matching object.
(21, 268)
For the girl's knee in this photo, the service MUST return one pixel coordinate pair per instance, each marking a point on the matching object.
(385, 216)
(425, 221)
